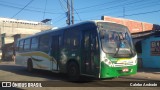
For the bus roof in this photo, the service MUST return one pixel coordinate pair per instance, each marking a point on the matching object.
(62, 28)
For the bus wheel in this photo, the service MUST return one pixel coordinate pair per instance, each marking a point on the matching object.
(73, 71)
(29, 65)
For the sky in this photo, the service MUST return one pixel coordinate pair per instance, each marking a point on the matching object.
(38, 10)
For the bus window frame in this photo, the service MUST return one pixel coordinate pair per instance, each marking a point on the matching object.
(22, 49)
(27, 49)
(69, 37)
(40, 48)
(37, 43)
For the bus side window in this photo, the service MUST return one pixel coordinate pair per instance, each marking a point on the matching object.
(71, 39)
(44, 43)
(94, 42)
(21, 45)
(86, 40)
(27, 44)
(34, 43)
(17, 46)
(66, 39)
(75, 39)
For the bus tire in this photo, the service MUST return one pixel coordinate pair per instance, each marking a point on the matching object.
(73, 71)
(29, 65)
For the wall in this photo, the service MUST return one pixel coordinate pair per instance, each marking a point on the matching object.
(10, 27)
(151, 57)
(13, 31)
(133, 26)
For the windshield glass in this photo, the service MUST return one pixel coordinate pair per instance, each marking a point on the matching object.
(116, 40)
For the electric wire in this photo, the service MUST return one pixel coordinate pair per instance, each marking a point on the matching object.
(75, 11)
(45, 9)
(23, 8)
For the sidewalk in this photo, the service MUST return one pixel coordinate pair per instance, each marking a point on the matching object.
(150, 70)
(148, 74)
(7, 62)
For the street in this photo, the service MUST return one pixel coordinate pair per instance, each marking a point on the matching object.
(11, 72)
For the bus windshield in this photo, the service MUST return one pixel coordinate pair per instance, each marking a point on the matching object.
(116, 40)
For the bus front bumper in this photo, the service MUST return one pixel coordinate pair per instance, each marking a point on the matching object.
(109, 72)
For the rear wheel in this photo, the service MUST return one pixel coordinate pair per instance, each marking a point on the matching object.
(29, 65)
(73, 71)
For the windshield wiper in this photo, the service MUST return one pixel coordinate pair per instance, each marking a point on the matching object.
(117, 50)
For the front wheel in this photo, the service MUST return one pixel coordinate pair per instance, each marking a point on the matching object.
(73, 71)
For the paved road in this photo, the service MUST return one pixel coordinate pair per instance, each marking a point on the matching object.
(11, 72)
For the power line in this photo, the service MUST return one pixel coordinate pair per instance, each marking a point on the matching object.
(9, 6)
(62, 6)
(113, 6)
(141, 13)
(131, 3)
(56, 18)
(45, 9)
(145, 6)
(75, 11)
(99, 4)
(59, 19)
(31, 7)
(153, 4)
(22, 8)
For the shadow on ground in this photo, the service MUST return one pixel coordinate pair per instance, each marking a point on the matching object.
(48, 75)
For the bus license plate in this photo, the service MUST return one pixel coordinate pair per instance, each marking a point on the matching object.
(125, 70)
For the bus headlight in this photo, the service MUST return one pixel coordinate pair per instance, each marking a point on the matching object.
(108, 62)
(105, 59)
(134, 59)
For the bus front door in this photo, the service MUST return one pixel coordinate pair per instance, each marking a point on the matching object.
(55, 51)
(90, 55)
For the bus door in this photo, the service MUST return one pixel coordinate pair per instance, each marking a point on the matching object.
(90, 53)
(55, 51)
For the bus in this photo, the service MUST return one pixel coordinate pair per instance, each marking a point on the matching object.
(92, 48)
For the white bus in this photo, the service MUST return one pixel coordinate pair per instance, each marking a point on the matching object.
(93, 48)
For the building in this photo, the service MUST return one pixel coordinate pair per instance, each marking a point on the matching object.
(11, 27)
(151, 51)
(133, 25)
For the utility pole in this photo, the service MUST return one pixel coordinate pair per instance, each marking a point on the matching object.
(70, 12)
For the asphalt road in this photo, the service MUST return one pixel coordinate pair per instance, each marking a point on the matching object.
(11, 72)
